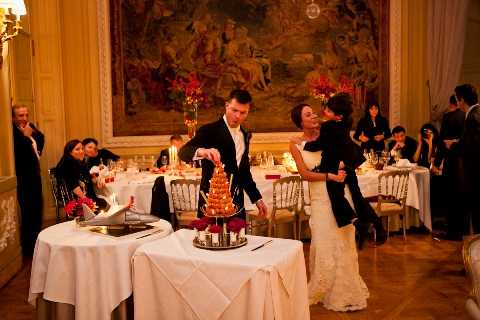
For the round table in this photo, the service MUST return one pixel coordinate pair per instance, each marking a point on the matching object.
(89, 271)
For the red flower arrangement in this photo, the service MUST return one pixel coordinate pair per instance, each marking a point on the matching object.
(322, 88)
(236, 224)
(74, 207)
(187, 90)
(215, 228)
(199, 224)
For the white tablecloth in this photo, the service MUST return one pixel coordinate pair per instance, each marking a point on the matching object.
(90, 271)
(174, 280)
(140, 186)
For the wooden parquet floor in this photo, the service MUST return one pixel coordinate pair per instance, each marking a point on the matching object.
(417, 279)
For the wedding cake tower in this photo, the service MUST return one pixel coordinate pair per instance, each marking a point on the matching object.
(219, 203)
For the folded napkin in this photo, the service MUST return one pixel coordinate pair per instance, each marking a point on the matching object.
(405, 163)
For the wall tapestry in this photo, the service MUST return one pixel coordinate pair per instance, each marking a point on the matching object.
(283, 51)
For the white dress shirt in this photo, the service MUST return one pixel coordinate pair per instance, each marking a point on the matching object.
(470, 109)
(238, 139)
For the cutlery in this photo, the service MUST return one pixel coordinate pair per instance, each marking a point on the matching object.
(262, 245)
(149, 234)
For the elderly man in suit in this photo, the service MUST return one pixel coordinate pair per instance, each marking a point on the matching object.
(225, 140)
(468, 149)
(28, 144)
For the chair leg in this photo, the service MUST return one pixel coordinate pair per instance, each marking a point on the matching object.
(388, 227)
(295, 230)
(299, 221)
(270, 226)
(404, 225)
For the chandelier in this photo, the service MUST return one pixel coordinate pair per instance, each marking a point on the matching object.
(313, 10)
(10, 12)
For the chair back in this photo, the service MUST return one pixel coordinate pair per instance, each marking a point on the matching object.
(185, 193)
(59, 190)
(286, 193)
(393, 186)
(471, 259)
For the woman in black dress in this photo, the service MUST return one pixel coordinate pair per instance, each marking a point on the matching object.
(372, 130)
(73, 170)
(427, 145)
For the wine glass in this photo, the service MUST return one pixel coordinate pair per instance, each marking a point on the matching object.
(397, 156)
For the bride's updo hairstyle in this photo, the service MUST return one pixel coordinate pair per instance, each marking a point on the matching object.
(296, 114)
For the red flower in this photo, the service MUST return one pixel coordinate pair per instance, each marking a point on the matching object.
(74, 207)
(215, 228)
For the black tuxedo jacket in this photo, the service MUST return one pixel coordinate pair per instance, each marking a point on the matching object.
(335, 142)
(468, 149)
(216, 135)
(26, 162)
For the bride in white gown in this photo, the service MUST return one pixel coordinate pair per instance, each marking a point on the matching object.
(335, 280)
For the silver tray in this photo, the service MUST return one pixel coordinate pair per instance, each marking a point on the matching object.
(207, 246)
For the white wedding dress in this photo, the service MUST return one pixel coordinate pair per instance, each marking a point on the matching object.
(335, 280)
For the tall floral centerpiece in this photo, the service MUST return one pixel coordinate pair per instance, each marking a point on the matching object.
(189, 91)
(323, 88)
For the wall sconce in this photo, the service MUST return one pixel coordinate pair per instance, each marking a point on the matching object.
(10, 12)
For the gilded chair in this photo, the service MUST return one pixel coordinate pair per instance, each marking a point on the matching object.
(60, 193)
(302, 212)
(286, 193)
(471, 259)
(392, 196)
(185, 194)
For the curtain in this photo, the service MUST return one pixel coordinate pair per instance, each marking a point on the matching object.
(447, 21)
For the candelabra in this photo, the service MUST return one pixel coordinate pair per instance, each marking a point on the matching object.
(10, 12)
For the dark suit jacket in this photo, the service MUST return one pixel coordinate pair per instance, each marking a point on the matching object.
(468, 149)
(216, 135)
(26, 162)
(103, 156)
(408, 150)
(451, 128)
(335, 142)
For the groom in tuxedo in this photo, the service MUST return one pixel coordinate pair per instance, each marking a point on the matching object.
(226, 141)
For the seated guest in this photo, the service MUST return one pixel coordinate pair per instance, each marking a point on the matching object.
(95, 157)
(175, 140)
(427, 145)
(403, 143)
(73, 170)
(372, 129)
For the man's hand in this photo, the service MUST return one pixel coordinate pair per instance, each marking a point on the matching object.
(211, 154)
(448, 143)
(399, 145)
(379, 137)
(363, 138)
(435, 170)
(262, 209)
(27, 130)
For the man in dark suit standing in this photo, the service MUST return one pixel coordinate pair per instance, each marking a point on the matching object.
(225, 140)
(28, 145)
(468, 149)
(443, 180)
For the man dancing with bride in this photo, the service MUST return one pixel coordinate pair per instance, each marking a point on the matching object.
(335, 280)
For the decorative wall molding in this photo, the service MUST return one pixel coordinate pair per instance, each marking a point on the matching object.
(8, 225)
(263, 138)
(395, 61)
